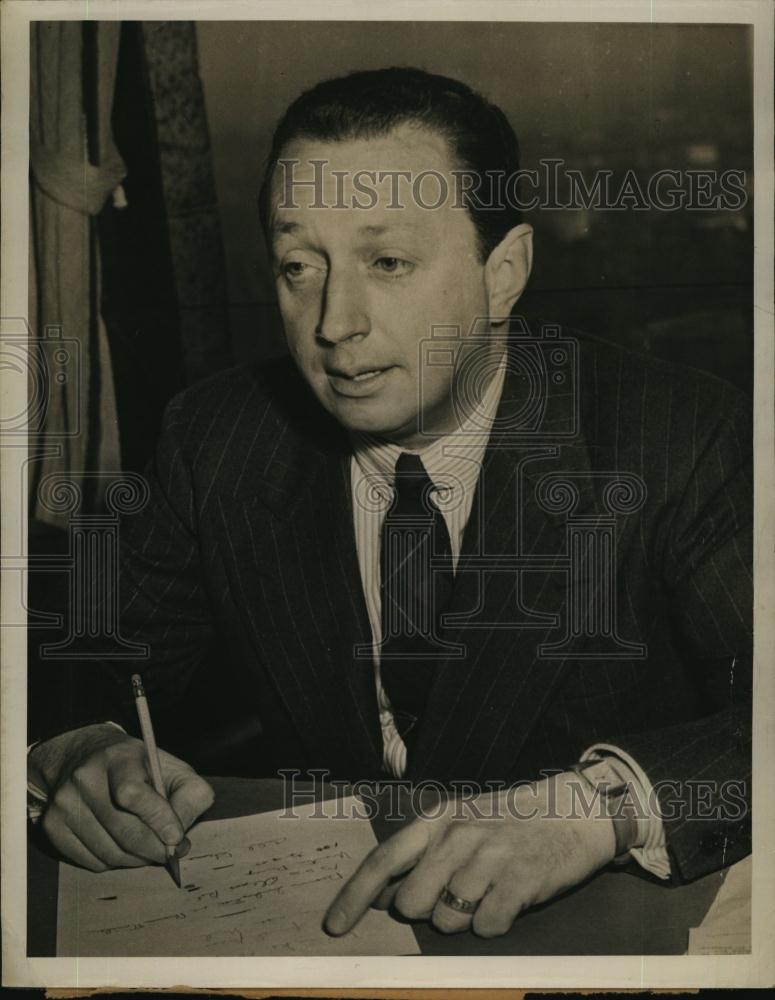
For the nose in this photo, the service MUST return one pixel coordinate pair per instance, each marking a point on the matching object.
(343, 312)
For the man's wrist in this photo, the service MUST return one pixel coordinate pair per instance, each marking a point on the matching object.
(619, 802)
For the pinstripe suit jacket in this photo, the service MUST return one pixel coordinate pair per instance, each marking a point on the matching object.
(247, 547)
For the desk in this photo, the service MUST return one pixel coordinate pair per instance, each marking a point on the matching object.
(618, 912)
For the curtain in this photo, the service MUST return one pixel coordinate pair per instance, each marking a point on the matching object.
(164, 288)
(75, 168)
(127, 281)
(191, 209)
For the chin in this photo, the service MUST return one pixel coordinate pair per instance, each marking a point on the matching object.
(372, 419)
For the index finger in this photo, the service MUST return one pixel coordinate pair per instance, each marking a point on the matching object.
(397, 855)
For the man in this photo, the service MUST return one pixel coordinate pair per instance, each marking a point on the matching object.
(441, 550)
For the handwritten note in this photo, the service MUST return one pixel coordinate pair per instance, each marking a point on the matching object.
(257, 885)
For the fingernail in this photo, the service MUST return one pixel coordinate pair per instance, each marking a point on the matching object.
(336, 921)
(171, 835)
(183, 848)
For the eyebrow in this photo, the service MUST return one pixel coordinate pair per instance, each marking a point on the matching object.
(279, 228)
(374, 230)
(283, 228)
(380, 230)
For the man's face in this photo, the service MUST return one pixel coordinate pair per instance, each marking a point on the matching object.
(359, 289)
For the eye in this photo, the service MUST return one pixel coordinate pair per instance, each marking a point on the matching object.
(301, 272)
(393, 266)
(294, 269)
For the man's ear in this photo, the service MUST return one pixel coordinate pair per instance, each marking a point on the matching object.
(506, 272)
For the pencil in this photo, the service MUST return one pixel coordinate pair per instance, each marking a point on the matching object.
(154, 765)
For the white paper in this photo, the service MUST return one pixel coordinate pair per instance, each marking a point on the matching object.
(256, 885)
(726, 929)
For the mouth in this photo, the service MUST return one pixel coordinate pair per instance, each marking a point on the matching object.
(357, 382)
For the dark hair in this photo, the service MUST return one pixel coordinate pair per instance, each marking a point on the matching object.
(370, 103)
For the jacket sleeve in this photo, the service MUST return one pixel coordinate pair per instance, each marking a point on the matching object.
(701, 770)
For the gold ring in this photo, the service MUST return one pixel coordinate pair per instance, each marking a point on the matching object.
(457, 902)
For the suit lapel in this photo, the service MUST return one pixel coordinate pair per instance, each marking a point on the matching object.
(349, 622)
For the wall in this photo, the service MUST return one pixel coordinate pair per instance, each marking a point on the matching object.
(595, 95)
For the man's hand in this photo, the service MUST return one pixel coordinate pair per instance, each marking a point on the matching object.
(102, 810)
(538, 842)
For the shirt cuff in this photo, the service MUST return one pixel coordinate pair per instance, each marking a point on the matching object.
(652, 852)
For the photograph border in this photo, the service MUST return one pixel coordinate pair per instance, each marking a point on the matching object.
(562, 972)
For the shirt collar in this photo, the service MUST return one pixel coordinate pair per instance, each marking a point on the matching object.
(452, 461)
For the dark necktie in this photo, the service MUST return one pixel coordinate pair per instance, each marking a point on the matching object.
(416, 579)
